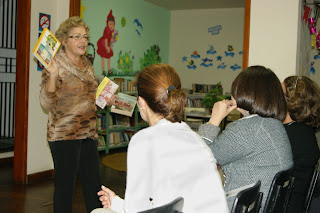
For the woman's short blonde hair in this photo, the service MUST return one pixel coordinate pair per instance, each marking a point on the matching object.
(75, 21)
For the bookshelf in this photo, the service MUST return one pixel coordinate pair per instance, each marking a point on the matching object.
(195, 114)
(195, 100)
(194, 117)
(115, 130)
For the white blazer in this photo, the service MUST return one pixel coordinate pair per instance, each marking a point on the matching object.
(166, 161)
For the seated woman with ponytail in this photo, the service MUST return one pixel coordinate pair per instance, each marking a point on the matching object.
(166, 160)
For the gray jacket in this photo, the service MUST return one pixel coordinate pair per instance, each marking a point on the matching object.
(250, 149)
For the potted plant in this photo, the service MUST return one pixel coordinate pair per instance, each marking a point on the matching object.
(213, 96)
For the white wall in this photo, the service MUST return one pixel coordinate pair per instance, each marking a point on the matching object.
(274, 35)
(189, 32)
(39, 157)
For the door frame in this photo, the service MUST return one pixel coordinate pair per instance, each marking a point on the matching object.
(246, 34)
(22, 86)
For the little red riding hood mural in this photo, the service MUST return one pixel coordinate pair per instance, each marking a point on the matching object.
(105, 43)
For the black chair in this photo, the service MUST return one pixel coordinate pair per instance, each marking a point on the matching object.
(174, 206)
(313, 184)
(248, 200)
(279, 193)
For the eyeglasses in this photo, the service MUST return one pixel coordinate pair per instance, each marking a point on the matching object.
(79, 37)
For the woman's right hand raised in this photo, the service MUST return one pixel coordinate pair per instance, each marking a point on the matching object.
(220, 110)
(53, 69)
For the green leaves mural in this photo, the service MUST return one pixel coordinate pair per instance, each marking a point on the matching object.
(150, 57)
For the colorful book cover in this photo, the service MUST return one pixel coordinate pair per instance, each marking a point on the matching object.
(124, 104)
(105, 90)
(47, 46)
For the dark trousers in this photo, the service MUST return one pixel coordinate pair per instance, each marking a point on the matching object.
(74, 158)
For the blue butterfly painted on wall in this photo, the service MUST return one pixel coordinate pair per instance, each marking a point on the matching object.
(139, 26)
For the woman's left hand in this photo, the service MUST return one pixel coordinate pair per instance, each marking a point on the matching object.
(106, 197)
(111, 100)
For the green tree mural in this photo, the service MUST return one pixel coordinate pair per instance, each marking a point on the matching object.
(150, 57)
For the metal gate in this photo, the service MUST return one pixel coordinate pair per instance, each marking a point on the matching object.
(8, 23)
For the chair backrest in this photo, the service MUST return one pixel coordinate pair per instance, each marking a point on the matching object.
(279, 193)
(174, 206)
(248, 200)
(313, 184)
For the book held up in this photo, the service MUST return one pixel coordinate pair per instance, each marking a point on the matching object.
(47, 46)
(105, 90)
(124, 104)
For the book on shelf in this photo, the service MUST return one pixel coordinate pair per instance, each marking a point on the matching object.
(118, 138)
(125, 85)
(46, 48)
(202, 88)
(101, 122)
(101, 141)
(194, 102)
(124, 104)
(105, 90)
(115, 121)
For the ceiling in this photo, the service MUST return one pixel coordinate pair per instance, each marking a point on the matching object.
(197, 4)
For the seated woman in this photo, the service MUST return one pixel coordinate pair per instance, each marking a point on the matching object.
(166, 160)
(256, 146)
(303, 104)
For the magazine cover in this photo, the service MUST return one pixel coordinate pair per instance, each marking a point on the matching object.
(46, 47)
(105, 90)
(124, 104)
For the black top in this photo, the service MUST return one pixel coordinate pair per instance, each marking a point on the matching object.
(305, 153)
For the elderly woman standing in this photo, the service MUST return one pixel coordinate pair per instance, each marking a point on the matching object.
(255, 147)
(68, 91)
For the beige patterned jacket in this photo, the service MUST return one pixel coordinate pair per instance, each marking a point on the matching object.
(72, 109)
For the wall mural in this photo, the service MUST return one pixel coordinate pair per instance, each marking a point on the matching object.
(106, 42)
(312, 69)
(212, 58)
(139, 27)
(125, 63)
(126, 58)
(208, 60)
(150, 57)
